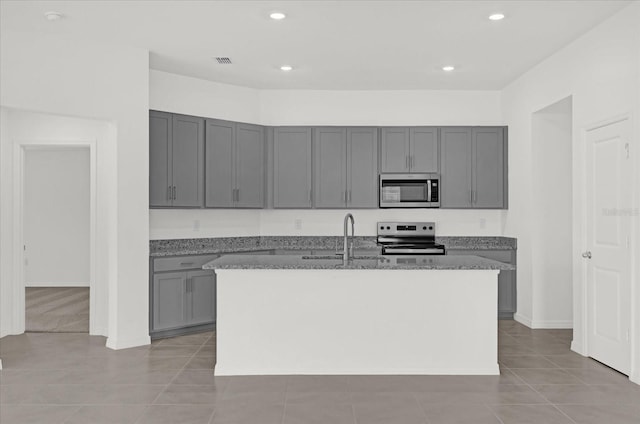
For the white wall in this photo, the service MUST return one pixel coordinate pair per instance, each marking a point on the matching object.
(58, 75)
(6, 229)
(178, 94)
(552, 276)
(56, 216)
(600, 70)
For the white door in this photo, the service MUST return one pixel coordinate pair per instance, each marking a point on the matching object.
(608, 195)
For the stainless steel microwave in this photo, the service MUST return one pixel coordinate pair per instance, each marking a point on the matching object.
(409, 191)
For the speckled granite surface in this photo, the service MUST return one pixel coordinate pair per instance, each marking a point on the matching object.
(397, 262)
(199, 246)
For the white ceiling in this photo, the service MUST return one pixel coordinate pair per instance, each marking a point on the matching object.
(342, 45)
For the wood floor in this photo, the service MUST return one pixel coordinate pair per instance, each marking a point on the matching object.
(57, 309)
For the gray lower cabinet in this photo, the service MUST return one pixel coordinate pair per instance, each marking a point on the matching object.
(292, 168)
(234, 165)
(412, 149)
(345, 167)
(182, 295)
(473, 167)
(507, 295)
(176, 169)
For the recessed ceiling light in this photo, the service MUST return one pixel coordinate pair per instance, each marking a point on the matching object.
(496, 16)
(448, 68)
(53, 16)
(286, 68)
(277, 16)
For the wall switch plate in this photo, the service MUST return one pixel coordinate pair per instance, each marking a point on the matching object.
(297, 224)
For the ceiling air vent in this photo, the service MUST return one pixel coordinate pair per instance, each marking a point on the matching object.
(223, 60)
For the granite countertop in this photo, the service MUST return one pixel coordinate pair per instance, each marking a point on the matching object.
(201, 246)
(399, 262)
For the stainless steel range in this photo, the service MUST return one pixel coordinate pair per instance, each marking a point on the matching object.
(409, 238)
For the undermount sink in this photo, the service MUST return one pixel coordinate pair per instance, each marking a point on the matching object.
(325, 257)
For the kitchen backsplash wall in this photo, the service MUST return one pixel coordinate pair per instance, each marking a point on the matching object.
(198, 223)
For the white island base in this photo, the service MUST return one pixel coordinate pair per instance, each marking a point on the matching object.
(292, 321)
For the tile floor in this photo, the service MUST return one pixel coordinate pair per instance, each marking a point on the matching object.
(73, 378)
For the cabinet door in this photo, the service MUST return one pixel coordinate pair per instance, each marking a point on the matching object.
(292, 168)
(188, 163)
(455, 162)
(160, 133)
(249, 162)
(330, 153)
(488, 167)
(362, 160)
(423, 146)
(201, 297)
(219, 163)
(395, 150)
(169, 301)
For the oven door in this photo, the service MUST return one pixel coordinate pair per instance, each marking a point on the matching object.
(406, 191)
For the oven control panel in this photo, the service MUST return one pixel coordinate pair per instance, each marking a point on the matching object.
(411, 229)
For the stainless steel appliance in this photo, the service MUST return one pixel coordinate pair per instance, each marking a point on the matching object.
(409, 191)
(408, 238)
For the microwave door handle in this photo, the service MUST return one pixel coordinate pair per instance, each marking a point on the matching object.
(429, 191)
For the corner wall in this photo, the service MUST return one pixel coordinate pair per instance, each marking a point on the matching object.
(600, 70)
(62, 76)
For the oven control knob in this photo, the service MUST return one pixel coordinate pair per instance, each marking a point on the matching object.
(382, 228)
(388, 228)
(431, 228)
(424, 228)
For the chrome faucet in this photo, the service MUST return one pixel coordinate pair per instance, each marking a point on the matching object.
(347, 252)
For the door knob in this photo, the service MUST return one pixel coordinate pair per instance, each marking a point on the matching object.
(587, 255)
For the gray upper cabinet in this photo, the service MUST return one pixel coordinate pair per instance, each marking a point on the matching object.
(330, 167)
(292, 167)
(235, 173)
(423, 149)
(473, 167)
(160, 180)
(410, 149)
(176, 171)
(455, 164)
(362, 167)
(489, 153)
(219, 164)
(345, 167)
(395, 149)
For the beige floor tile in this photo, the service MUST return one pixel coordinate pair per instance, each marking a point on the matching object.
(107, 414)
(530, 414)
(189, 395)
(460, 414)
(599, 414)
(263, 383)
(173, 414)
(250, 412)
(397, 408)
(545, 376)
(35, 414)
(314, 413)
(318, 383)
(201, 363)
(201, 377)
(167, 350)
(600, 375)
(525, 361)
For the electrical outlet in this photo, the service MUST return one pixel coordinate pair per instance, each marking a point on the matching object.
(196, 225)
(297, 224)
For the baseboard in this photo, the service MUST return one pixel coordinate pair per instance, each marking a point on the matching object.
(99, 331)
(577, 348)
(522, 319)
(222, 371)
(634, 377)
(541, 324)
(568, 324)
(0, 363)
(116, 344)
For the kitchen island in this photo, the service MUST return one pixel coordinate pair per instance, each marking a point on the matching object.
(296, 314)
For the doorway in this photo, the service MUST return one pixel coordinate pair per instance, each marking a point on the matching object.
(55, 200)
(56, 239)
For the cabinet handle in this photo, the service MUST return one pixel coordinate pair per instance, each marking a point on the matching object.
(186, 263)
(237, 195)
(174, 193)
(406, 162)
(474, 197)
(349, 196)
(344, 195)
(169, 193)
(471, 196)
(412, 161)
(309, 196)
